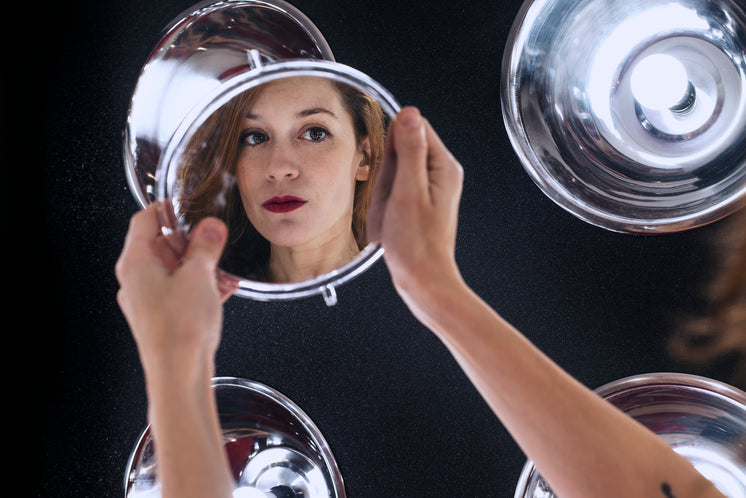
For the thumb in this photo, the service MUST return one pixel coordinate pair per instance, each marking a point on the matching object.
(206, 242)
(411, 155)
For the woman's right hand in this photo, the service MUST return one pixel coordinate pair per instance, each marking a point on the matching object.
(414, 206)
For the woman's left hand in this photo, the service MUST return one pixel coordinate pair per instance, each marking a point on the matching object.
(172, 303)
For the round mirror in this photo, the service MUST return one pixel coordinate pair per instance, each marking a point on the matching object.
(286, 154)
(242, 113)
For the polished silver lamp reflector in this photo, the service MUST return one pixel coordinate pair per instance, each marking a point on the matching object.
(631, 114)
(274, 449)
(701, 419)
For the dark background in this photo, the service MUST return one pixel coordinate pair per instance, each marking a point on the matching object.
(398, 413)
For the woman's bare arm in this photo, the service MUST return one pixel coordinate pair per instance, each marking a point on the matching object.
(173, 305)
(582, 445)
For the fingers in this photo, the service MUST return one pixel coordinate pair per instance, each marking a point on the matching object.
(445, 173)
(424, 165)
(438, 154)
(144, 226)
(147, 251)
(227, 285)
(417, 168)
(164, 249)
(411, 149)
(139, 244)
(206, 242)
(145, 245)
(425, 168)
(175, 236)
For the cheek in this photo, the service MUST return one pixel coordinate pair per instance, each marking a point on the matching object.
(247, 183)
(247, 177)
(339, 181)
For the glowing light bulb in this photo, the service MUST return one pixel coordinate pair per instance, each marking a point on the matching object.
(659, 82)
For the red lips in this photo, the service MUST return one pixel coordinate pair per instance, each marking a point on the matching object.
(283, 204)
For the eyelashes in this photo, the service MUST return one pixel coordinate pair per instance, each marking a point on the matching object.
(315, 134)
(254, 138)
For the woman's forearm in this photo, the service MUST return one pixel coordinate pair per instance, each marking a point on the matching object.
(186, 433)
(581, 444)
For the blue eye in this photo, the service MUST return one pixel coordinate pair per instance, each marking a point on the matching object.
(253, 138)
(315, 134)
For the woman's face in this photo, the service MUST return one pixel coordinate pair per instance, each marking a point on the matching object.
(298, 162)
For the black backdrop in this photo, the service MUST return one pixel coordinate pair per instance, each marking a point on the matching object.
(399, 415)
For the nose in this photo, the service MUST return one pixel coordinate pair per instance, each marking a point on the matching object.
(283, 165)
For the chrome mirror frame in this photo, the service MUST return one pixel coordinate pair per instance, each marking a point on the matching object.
(259, 74)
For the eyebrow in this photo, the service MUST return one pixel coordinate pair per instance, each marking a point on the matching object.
(315, 110)
(302, 114)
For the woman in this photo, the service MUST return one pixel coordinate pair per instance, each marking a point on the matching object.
(288, 166)
(582, 445)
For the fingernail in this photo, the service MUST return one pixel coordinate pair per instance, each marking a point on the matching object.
(213, 231)
(411, 119)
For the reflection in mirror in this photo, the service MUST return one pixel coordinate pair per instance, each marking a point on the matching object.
(289, 166)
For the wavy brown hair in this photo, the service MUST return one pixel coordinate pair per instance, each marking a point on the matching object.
(206, 177)
(718, 336)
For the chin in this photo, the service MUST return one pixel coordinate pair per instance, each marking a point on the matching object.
(287, 238)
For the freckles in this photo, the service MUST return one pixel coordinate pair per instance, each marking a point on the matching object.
(246, 176)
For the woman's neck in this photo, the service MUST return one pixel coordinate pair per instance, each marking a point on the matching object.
(297, 264)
